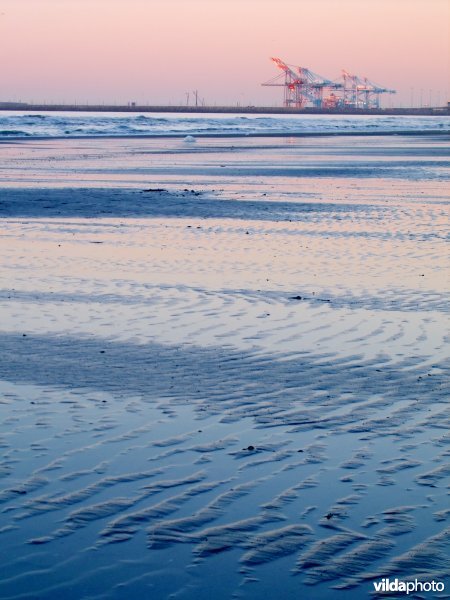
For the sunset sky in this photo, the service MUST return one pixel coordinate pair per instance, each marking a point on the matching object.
(155, 51)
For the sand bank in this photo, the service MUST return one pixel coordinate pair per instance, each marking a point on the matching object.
(205, 375)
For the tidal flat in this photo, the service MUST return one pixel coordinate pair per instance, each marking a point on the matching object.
(224, 367)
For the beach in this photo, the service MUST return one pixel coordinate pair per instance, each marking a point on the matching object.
(224, 365)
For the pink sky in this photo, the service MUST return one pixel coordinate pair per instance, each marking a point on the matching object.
(157, 50)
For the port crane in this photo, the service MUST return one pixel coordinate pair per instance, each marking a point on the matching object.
(359, 92)
(301, 85)
(302, 88)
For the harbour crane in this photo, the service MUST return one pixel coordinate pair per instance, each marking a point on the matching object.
(359, 92)
(303, 87)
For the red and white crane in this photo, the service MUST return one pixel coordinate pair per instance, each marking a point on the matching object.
(302, 88)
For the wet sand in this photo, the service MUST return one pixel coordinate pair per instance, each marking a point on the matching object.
(224, 367)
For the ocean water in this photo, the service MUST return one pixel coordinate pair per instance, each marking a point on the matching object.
(68, 124)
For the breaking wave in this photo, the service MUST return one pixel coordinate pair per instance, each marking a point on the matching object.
(60, 124)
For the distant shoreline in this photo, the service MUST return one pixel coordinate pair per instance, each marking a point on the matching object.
(257, 110)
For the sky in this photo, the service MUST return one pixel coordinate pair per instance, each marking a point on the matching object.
(160, 51)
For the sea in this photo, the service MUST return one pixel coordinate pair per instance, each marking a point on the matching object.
(16, 124)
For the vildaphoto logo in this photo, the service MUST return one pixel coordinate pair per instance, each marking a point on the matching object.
(396, 585)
